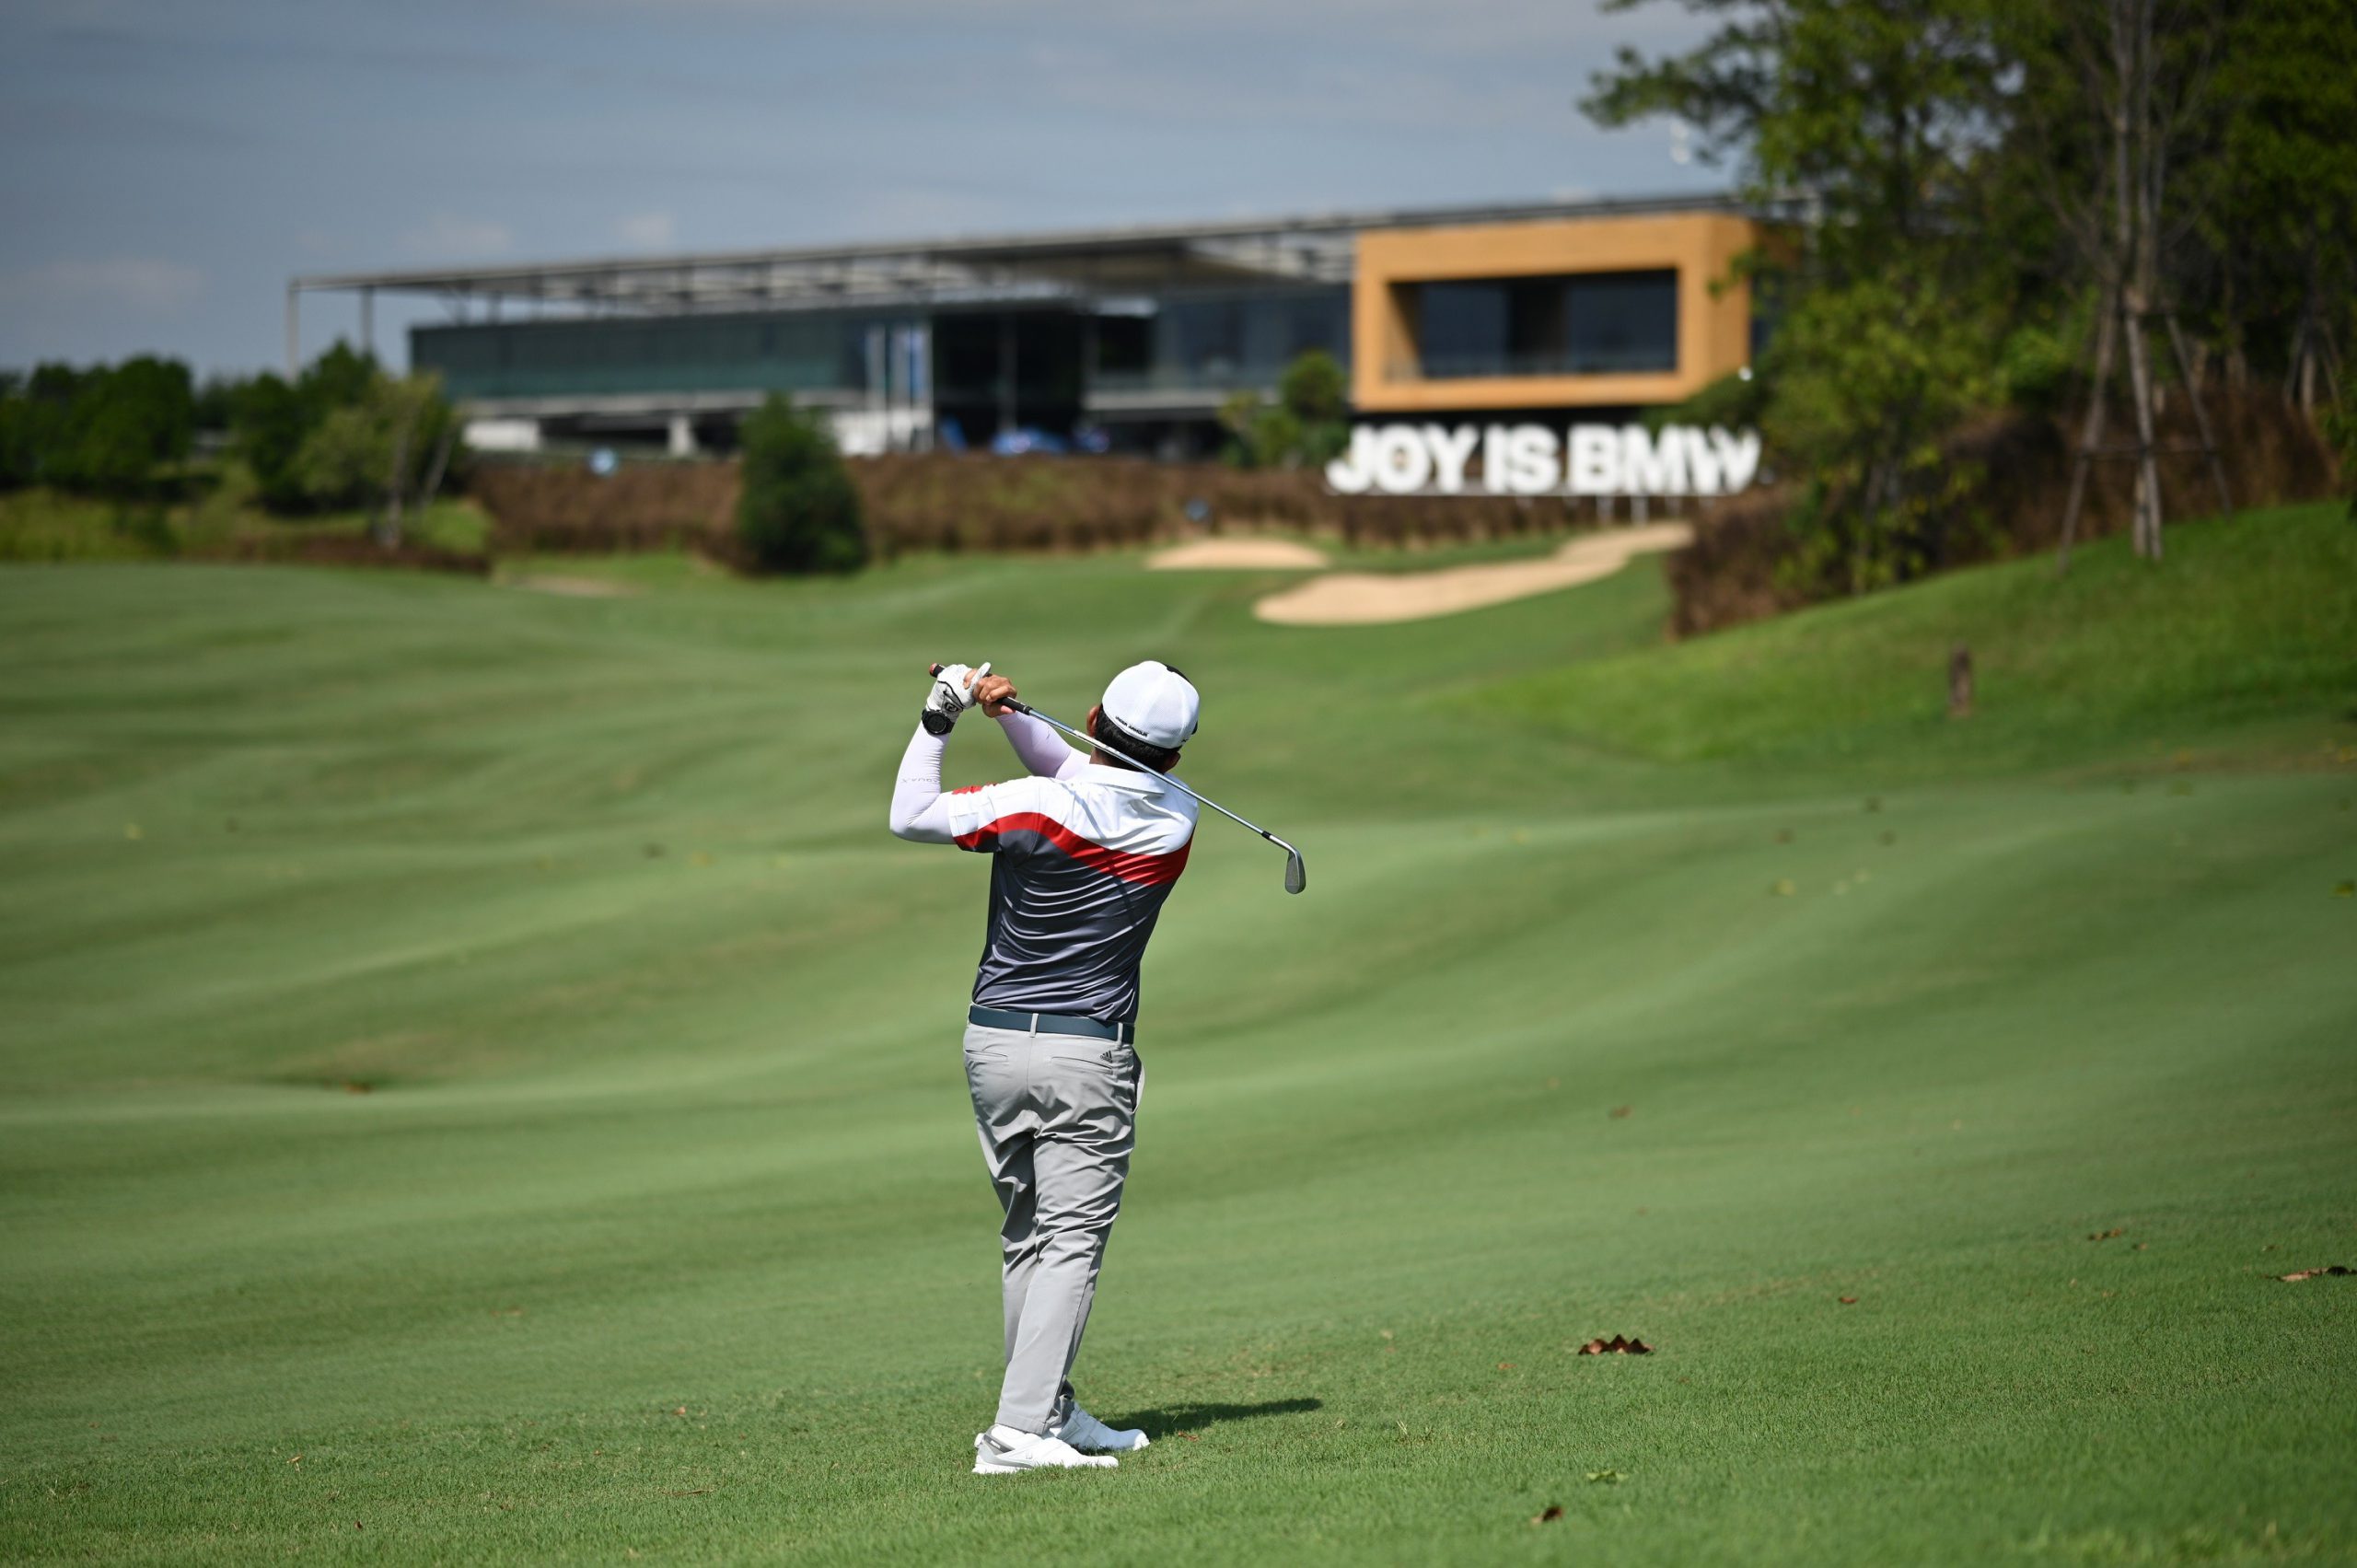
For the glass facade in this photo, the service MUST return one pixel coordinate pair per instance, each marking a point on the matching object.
(1576, 324)
(1199, 340)
(806, 352)
(1219, 340)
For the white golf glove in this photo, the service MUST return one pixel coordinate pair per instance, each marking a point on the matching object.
(952, 694)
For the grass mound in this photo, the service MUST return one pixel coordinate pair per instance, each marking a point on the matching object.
(2248, 620)
(479, 1082)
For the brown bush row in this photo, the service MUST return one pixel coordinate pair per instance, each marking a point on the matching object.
(1746, 561)
(969, 502)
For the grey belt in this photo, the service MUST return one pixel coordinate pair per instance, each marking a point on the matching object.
(1051, 1023)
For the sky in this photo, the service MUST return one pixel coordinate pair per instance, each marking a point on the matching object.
(171, 163)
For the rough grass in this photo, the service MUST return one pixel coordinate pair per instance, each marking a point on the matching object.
(479, 1085)
(223, 520)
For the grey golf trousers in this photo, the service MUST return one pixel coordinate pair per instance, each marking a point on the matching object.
(1058, 1117)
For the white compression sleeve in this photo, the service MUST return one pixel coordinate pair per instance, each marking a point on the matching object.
(920, 811)
(1040, 748)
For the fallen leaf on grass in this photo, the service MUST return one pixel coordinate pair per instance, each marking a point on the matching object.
(1847, 1300)
(2105, 1235)
(1547, 1515)
(2314, 1274)
(699, 1492)
(2345, 891)
(1605, 1478)
(1623, 1112)
(1619, 1344)
(1190, 1437)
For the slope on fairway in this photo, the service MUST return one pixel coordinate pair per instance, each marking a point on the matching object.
(661, 1229)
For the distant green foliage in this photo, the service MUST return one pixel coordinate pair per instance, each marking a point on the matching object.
(385, 437)
(1733, 401)
(1306, 427)
(269, 421)
(1950, 160)
(331, 439)
(2341, 429)
(797, 511)
(103, 431)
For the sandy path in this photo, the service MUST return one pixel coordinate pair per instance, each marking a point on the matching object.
(1237, 555)
(1359, 598)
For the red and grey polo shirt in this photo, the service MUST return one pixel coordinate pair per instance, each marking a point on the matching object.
(1084, 864)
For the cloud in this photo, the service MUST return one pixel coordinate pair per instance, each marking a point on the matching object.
(648, 231)
(146, 285)
(448, 237)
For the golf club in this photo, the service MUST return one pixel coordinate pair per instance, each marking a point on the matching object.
(1296, 873)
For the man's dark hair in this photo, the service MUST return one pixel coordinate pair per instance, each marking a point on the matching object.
(1124, 749)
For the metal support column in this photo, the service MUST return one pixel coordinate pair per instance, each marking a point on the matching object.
(1006, 409)
(293, 336)
(368, 323)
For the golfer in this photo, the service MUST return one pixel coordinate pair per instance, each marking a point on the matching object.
(1086, 849)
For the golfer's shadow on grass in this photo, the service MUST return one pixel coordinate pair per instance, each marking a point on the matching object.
(1194, 1417)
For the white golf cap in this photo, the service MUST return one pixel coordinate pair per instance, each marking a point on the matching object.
(1153, 702)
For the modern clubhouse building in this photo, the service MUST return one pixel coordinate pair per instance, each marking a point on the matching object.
(1122, 339)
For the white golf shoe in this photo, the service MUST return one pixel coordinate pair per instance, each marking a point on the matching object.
(1085, 1431)
(1003, 1450)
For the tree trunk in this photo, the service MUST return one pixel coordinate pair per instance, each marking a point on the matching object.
(389, 531)
(2091, 433)
(2148, 473)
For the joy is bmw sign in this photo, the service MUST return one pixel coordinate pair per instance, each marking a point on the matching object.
(1532, 459)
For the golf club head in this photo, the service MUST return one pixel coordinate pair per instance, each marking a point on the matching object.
(1296, 873)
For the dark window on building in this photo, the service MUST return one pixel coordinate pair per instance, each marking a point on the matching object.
(1219, 340)
(1582, 324)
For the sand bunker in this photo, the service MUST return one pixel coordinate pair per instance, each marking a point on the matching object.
(1360, 598)
(1237, 555)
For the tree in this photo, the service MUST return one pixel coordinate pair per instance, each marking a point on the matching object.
(105, 431)
(796, 510)
(1307, 424)
(2287, 203)
(1870, 118)
(134, 418)
(343, 433)
(268, 425)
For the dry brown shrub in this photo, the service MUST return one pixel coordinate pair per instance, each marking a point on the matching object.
(974, 501)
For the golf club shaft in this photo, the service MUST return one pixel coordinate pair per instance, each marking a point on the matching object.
(1091, 741)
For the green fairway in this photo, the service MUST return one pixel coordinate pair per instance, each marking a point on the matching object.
(478, 1082)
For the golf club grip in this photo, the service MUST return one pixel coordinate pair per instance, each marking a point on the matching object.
(1009, 704)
